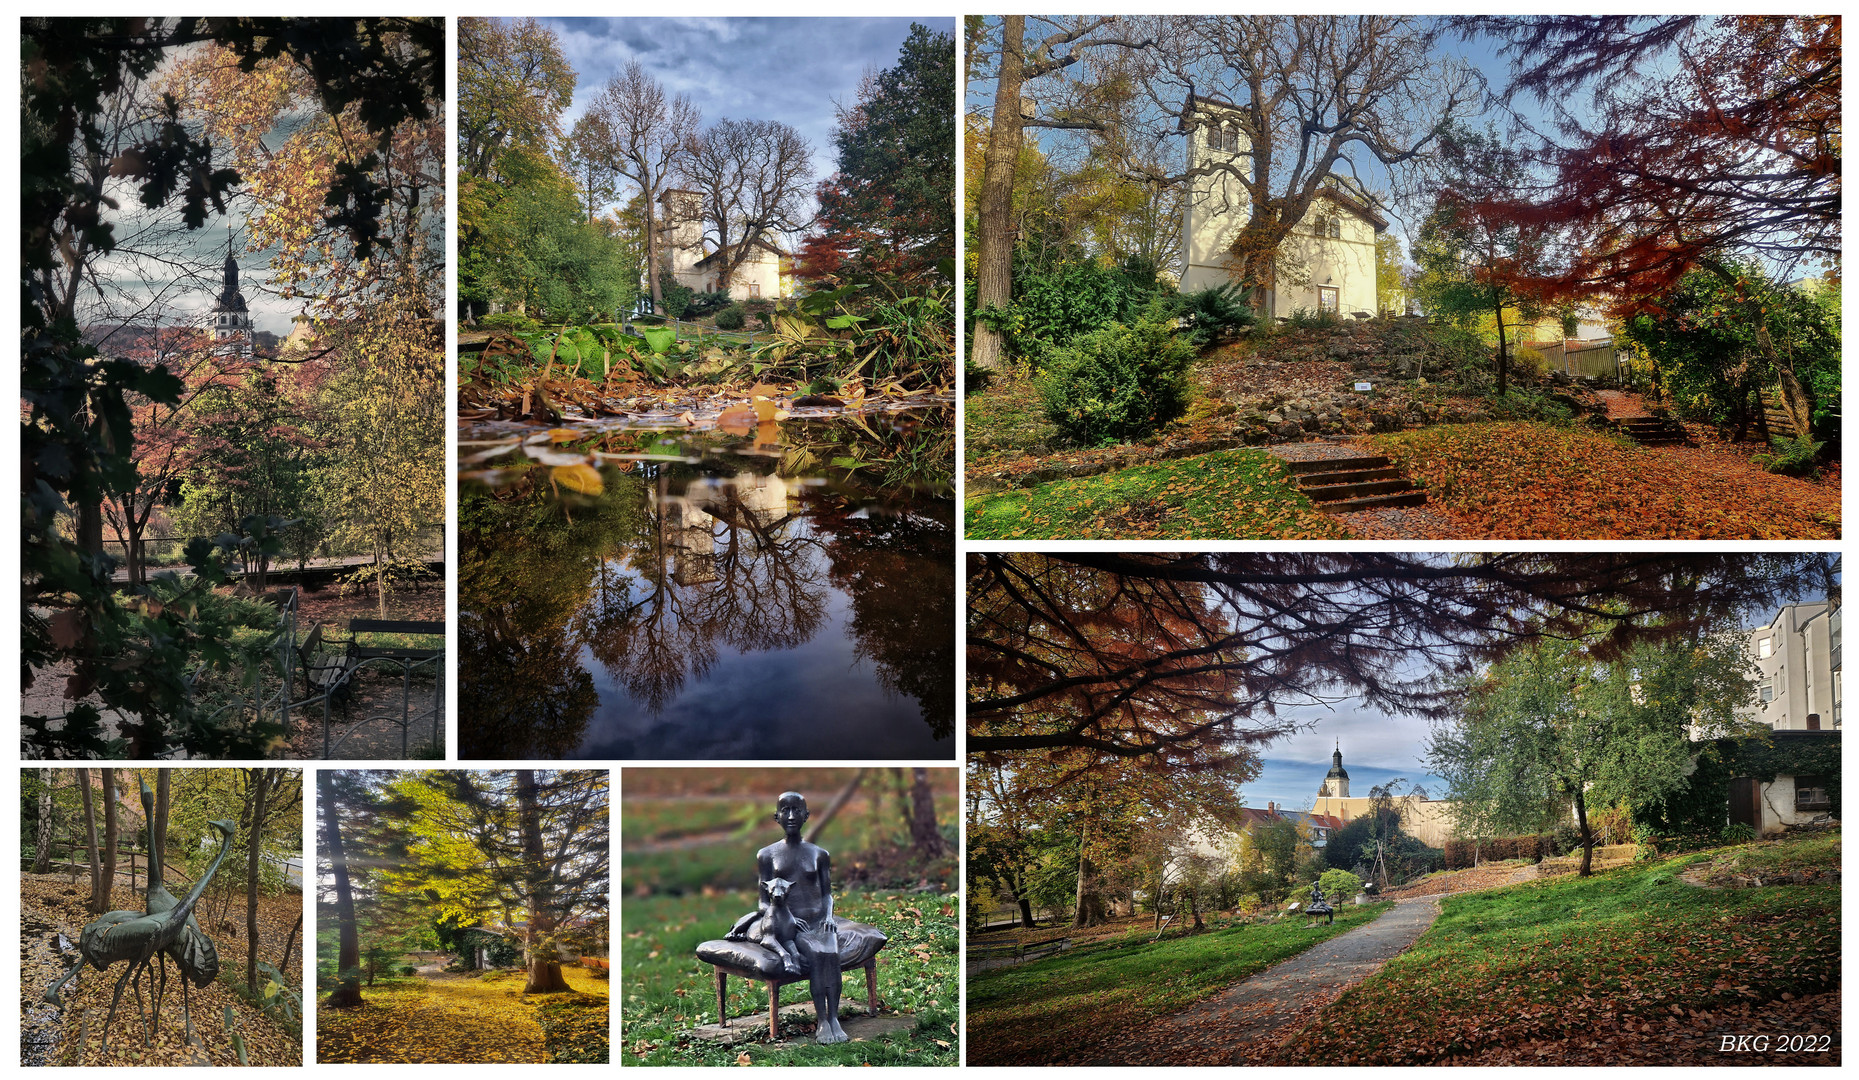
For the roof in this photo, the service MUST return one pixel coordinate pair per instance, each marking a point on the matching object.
(763, 244)
(1250, 817)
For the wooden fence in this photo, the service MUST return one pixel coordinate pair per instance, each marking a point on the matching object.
(1590, 358)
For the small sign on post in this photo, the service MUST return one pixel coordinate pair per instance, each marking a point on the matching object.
(1363, 387)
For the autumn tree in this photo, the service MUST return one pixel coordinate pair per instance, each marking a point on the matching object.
(1470, 261)
(1551, 727)
(1699, 140)
(76, 423)
(1087, 660)
(527, 847)
(385, 481)
(1001, 50)
(651, 138)
(888, 210)
(513, 85)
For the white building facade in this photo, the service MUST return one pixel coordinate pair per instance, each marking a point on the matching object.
(1327, 263)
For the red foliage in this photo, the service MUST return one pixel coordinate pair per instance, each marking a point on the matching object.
(1735, 149)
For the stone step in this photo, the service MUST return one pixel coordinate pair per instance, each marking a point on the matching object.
(1337, 464)
(1355, 477)
(1326, 494)
(1376, 502)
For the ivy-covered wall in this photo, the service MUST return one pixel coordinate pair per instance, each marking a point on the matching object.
(1704, 805)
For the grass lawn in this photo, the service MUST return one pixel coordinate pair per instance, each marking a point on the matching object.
(1633, 951)
(1232, 494)
(668, 990)
(1531, 481)
(1034, 1013)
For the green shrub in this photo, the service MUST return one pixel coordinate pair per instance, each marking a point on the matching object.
(703, 303)
(405, 969)
(1339, 885)
(1054, 307)
(1527, 361)
(1791, 457)
(1306, 319)
(732, 317)
(1118, 383)
(1214, 312)
(1738, 832)
(678, 299)
(509, 320)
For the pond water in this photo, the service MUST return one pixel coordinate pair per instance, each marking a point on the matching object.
(785, 594)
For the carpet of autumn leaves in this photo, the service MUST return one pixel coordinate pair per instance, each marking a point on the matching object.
(1633, 965)
(1525, 481)
(55, 901)
(668, 990)
(1066, 1009)
(1233, 494)
(466, 1018)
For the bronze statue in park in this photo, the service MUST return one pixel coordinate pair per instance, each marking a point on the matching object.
(140, 937)
(794, 934)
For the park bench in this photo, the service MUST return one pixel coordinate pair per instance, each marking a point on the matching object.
(859, 947)
(406, 659)
(1018, 950)
(358, 627)
(323, 675)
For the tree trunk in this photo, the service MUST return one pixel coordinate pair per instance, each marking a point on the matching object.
(925, 837)
(347, 994)
(1587, 834)
(261, 786)
(158, 838)
(1084, 907)
(99, 899)
(42, 842)
(545, 970)
(111, 828)
(994, 255)
(1026, 914)
(1503, 352)
(832, 808)
(1194, 909)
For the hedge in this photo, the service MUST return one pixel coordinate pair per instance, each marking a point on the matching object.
(1463, 853)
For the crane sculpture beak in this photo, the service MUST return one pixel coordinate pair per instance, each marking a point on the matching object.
(225, 827)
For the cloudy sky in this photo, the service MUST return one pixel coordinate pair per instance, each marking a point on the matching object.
(791, 70)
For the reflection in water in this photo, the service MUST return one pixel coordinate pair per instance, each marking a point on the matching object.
(703, 611)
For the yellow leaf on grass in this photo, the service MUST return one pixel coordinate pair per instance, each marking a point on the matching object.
(582, 478)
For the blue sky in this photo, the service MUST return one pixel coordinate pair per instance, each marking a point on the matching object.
(1479, 53)
(791, 69)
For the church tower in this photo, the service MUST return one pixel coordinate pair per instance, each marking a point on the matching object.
(1336, 783)
(232, 324)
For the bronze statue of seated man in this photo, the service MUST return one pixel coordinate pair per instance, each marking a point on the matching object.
(825, 943)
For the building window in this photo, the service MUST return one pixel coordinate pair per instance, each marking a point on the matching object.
(755, 289)
(1765, 648)
(1336, 228)
(1810, 793)
(1765, 690)
(1328, 299)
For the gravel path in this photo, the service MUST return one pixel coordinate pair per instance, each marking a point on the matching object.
(1219, 1030)
(1314, 451)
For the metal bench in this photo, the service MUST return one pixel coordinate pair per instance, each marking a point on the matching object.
(406, 659)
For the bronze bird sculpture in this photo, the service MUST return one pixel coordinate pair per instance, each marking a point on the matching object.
(138, 937)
